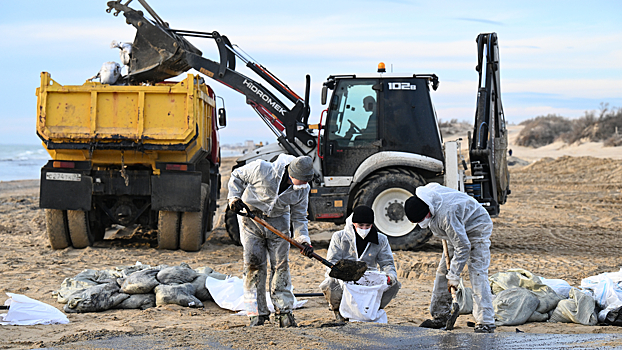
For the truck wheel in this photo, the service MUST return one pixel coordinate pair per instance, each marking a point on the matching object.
(385, 192)
(56, 226)
(191, 229)
(231, 223)
(168, 230)
(79, 230)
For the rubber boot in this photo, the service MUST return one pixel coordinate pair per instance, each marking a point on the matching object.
(340, 318)
(436, 323)
(258, 320)
(485, 328)
(286, 320)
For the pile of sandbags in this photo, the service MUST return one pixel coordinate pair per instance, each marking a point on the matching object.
(520, 297)
(135, 287)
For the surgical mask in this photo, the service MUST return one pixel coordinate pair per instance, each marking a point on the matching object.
(425, 222)
(362, 232)
(300, 187)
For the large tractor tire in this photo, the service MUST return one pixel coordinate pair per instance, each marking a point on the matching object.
(191, 234)
(168, 230)
(233, 229)
(385, 192)
(56, 226)
(79, 229)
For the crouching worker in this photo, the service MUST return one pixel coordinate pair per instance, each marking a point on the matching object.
(466, 226)
(359, 240)
(278, 193)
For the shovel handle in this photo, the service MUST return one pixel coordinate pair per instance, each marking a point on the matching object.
(287, 238)
(448, 262)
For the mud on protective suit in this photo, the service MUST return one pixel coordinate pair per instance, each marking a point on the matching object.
(466, 226)
(257, 184)
(343, 246)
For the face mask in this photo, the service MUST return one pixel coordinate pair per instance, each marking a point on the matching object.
(424, 223)
(299, 187)
(362, 233)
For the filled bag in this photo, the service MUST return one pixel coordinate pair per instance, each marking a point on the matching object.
(361, 299)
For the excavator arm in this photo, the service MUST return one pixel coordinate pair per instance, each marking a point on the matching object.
(159, 52)
(489, 145)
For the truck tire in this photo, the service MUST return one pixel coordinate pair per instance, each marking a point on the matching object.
(56, 226)
(168, 230)
(191, 230)
(79, 230)
(385, 192)
(233, 229)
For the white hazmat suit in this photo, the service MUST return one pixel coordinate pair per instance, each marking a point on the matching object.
(466, 226)
(257, 184)
(378, 257)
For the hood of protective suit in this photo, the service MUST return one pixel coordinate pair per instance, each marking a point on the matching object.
(456, 211)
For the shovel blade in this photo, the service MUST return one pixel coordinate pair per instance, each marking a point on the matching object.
(451, 322)
(348, 270)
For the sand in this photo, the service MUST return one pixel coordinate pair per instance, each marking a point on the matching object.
(562, 220)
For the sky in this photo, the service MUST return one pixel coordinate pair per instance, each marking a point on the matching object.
(556, 57)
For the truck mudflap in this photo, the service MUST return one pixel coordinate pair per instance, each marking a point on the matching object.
(176, 191)
(65, 189)
(328, 204)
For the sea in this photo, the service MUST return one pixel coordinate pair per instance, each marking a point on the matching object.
(24, 162)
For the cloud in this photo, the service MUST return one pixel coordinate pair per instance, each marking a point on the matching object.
(479, 20)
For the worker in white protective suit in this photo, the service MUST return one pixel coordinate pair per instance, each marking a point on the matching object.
(466, 226)
(360, 240)
(278, 193)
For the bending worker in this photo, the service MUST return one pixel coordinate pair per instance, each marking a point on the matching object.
(359, 240)
(466, 226)
(278, 193)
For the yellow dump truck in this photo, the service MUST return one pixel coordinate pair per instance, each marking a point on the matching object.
(127, 155)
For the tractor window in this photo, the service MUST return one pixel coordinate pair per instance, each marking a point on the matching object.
(352, 119)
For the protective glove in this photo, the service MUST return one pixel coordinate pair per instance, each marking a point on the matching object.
(452, 282)
(307, 251)
(391, 280)
(235, 204)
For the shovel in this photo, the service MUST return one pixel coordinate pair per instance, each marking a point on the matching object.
(455, 308)
(345, 270)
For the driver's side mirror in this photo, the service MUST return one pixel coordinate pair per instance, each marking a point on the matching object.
(222, 117)
(324, 94)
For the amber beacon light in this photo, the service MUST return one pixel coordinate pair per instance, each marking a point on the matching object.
(381, 68)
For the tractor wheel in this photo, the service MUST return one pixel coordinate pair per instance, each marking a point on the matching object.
(233, 229)
(79, 230)
(385, 192)
(191, 229)
(168, 230)
(56, 226)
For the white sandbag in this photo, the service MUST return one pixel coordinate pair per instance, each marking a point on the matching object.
(560, 286)
(229, 294)
(606, 290)
(578, 309)
(361, 299)
(514, 306)
(464, 296)
(109, 73)
(24, 311)
(524, 279)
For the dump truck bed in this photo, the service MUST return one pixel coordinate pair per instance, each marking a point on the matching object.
(93, 121)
